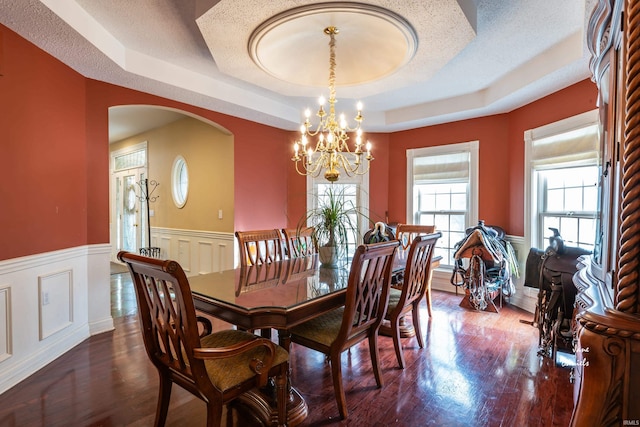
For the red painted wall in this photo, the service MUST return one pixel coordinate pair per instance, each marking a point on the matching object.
(297, 191)
(44, 187)
(379, 176)
(573, 100)
(493, 155)
(54, 134)
(501, 153)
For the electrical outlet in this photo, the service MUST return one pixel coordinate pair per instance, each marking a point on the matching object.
(45, 298)
(219, 213)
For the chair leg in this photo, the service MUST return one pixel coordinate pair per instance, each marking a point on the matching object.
(397, 344)
(429, 295)
(415, 313)
(214, 413)
(375, 357)
(230, 410)
(282, 395)
(336, 373)
(164, 395)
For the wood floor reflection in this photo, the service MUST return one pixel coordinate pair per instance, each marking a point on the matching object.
(477, 369)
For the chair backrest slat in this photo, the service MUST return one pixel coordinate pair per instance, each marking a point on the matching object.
(259, 246)
(368, 288)
(418, 267)
(405, 233)
(299, 242)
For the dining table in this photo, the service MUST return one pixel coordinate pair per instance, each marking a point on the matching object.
(277, 295)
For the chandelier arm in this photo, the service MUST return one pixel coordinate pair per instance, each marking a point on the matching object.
(314, 171)
(351, 169)
(331, 150)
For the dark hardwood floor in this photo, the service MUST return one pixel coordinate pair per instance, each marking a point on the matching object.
(478, 369)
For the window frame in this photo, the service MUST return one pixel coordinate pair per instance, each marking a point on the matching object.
(179, 190)
(545, 212)
(472, 148)
(534, 234)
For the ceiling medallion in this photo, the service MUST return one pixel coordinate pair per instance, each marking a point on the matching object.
(374, 43)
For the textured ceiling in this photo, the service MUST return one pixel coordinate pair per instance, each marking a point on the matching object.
(471, 57)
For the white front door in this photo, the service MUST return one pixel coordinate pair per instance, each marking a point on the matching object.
(128, 221)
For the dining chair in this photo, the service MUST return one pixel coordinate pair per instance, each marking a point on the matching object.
(406, 233)
(215, 367)
(359, 319)
(259, 246)
(415, 285)
(299, 242)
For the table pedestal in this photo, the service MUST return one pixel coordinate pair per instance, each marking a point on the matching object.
(263, 406)
(406, 329)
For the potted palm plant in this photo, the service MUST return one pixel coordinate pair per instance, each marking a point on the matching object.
(333, 220)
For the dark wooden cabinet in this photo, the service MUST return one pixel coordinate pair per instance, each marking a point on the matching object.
(607, 315)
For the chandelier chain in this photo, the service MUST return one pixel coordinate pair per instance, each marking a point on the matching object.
(331, 150)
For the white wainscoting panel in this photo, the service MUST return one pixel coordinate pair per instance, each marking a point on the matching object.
(525, 298)
(198, 252)
(226, 255)
(5, 323)
(205, 257)
(56, 302)
(74, 284)
(184, 254)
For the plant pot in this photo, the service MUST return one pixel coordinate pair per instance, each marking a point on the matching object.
(328, 256)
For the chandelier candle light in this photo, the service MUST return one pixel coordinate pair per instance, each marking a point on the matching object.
(331, 151)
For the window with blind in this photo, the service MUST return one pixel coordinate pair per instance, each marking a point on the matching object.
(442, 191)
(563, 195)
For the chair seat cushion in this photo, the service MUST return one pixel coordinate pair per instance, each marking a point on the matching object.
(323, 329)
(228, 372)
(394, 299)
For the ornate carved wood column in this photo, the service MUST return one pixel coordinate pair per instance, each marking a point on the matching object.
(607, 388)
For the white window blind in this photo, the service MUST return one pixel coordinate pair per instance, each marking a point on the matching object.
(561, 159)
(579, 146)
(444, 167)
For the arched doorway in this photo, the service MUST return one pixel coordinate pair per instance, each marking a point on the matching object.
(145, 144)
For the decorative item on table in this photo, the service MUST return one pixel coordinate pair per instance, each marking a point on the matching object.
(380, 232)
(334, 220)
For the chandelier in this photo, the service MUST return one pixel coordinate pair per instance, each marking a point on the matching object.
(331, 152)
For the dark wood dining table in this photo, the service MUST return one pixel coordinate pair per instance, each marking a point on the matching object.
(277, 295)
